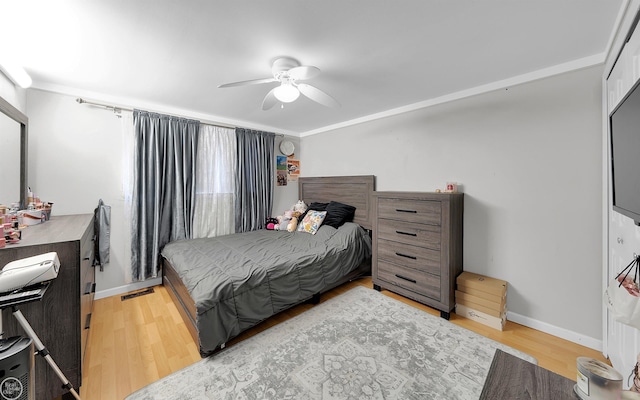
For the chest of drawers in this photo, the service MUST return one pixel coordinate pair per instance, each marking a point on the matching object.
(61, 319)
(417, 246)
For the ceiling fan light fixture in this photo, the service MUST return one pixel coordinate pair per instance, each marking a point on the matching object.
(286, 93)
(287, 72)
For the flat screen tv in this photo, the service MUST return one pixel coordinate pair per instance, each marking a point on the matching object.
(625, 155)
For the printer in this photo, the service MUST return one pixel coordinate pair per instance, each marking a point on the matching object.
(29, 271)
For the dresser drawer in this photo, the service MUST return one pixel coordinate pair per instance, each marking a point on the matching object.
(410, 279)
(410, 233)
(422, 212)
(420, 258)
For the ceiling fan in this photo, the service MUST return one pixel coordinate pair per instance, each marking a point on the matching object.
(288, 72)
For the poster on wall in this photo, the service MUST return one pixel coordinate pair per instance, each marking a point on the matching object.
(293, 168)
(281, 168)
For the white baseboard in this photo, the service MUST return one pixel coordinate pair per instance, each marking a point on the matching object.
(556, 331)
(101, 294)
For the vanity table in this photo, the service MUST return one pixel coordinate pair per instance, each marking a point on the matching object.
(62, 318)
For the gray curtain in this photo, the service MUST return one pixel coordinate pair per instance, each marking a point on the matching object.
(164, 170)
(254, 182)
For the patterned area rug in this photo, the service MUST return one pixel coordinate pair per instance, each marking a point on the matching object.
(359, 345)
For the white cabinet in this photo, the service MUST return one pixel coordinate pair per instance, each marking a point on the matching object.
(621, 342)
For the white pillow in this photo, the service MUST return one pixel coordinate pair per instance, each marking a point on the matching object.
(312, 221)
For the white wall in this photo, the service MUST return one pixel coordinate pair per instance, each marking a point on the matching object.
(529, 161)
(13, 94)
(76, 159)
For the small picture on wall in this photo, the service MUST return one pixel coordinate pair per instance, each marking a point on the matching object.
(282, 178)
(293, 168)
(281, 163)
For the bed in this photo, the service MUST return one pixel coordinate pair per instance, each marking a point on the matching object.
(223, 286)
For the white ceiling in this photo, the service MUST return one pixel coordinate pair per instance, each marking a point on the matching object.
(375, 55)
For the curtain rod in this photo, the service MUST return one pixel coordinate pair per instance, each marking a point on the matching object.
(117, 110)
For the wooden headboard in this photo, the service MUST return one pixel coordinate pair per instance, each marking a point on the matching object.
(356, 191)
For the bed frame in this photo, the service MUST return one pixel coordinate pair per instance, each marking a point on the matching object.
(353, 190)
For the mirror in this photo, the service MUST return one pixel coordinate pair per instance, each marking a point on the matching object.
(9, 161)
(13, 159)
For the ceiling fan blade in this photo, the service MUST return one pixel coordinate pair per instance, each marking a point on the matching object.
(318, 95)
(304, 72)
(249, 82)
(269, 100)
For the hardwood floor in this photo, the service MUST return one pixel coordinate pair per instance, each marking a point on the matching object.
(140, 340)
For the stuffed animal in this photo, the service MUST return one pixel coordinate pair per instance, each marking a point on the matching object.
(293, 224)
(271, 223)
(300, 207)
(285, 221)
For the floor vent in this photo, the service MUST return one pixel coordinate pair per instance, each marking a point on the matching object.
(136, 294)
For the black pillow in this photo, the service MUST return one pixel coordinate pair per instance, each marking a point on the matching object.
(338, 214)
(318, 206)
(314, 206)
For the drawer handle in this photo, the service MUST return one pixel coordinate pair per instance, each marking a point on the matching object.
(406, 256)
(406, 233)
(93, 288)
(87, 322)
(406, 211)
(87, 288)
(89, 256)
(406, 279)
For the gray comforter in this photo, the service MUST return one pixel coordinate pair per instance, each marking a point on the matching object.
(238, 280)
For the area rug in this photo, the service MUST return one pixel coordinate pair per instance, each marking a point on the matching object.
(358, 345)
